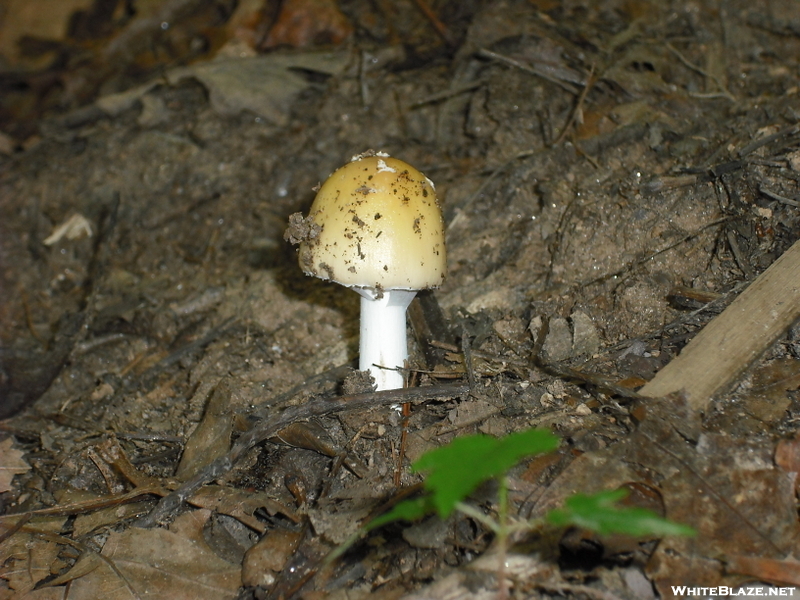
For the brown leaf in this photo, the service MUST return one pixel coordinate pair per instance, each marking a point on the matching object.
(157, 563)
(267, 558)
(787, 455)
(28, 20)
(767, 399)
(310, 436)
(240, 504)
(108, 516)
(779, 375)
(304, 23)
(28, 562)
(724, 487)
(25, 559)
(780, 572)
(11, 463)
(212, 437)
(41, 594)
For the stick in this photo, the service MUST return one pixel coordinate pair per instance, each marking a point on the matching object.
(170, 504)
(718, 356)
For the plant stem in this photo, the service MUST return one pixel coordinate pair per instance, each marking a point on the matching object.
(483, 519)
(502, 536)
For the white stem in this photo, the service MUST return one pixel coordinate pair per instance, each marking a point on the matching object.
(383, 347)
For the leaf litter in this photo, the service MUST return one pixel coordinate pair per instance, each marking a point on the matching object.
(587, 171)
(12, 463)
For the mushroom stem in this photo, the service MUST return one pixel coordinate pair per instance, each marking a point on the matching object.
(383, 347)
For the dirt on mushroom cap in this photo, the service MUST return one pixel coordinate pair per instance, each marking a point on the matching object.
(380, 226)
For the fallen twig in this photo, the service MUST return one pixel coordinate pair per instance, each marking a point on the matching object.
(264, 430)
(735, 339)
(485, 53)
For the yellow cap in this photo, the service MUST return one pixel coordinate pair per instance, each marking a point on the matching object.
(377, 224)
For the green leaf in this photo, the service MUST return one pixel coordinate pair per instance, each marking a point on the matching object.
(598, 512)
(461, 466)
(408, 510)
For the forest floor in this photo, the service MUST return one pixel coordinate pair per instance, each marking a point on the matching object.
(613, 175)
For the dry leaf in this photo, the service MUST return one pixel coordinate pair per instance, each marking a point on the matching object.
(265, 85)
(784, 572)
(25, 559)
(48, 20)
(268, 557)
(40, 594)
(787, 455)
(305, 23)
(725, 487)
(211, 439)
(159, 564)
(11, 464)
(240, 504)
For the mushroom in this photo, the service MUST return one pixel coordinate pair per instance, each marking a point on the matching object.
(375, 227)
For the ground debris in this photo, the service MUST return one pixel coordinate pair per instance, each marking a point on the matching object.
(613, 175)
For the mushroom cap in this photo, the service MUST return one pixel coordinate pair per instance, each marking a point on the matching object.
(378, 225)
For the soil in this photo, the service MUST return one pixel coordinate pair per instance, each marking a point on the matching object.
(612, 175)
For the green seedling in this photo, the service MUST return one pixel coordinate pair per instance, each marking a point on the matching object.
(454, 471)
(457, 469)
(600, 513)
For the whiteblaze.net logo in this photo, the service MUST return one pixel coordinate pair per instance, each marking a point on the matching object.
(724, 591)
